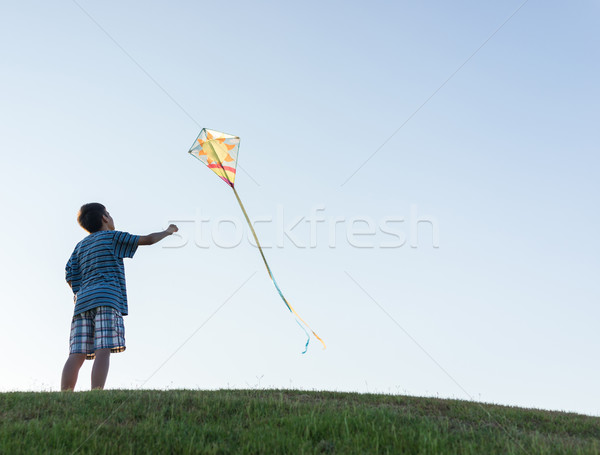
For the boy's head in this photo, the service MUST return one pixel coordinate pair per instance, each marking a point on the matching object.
(93, 217)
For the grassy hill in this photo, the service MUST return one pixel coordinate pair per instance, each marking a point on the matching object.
(280, 421)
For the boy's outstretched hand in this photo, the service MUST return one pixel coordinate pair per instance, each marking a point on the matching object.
(151, 239)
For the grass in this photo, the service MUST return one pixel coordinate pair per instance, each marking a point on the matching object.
(280, 421)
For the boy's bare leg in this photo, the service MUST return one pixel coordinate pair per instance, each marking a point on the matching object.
(100, 368)
(71, 370)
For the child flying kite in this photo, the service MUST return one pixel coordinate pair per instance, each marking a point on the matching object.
(96, 275)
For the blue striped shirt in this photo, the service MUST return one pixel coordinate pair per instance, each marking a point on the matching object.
(96, 270)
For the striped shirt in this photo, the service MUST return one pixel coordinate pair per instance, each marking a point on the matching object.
(96, 271)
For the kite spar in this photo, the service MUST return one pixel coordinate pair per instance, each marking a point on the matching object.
(219, 151)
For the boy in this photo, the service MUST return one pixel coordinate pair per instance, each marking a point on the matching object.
(96, 275)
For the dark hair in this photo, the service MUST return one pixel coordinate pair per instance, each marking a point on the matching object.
(90, 216)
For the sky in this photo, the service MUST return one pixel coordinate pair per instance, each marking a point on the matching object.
(423, 176)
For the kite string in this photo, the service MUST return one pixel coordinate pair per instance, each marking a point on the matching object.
(271, 274)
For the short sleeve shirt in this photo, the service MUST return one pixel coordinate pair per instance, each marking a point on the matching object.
(96, 270)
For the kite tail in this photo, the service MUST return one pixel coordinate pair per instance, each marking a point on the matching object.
(298, 318)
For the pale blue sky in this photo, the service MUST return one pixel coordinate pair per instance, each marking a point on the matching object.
(503, 159)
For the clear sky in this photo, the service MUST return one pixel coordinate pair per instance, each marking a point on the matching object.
(494, 297)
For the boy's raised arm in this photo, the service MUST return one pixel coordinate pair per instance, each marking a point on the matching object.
(151, 239)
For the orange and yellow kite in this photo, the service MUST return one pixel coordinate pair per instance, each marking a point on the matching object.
(219, 151)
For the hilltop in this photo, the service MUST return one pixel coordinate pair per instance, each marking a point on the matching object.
(281, 421)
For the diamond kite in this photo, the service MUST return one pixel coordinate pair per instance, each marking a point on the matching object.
(219, 151)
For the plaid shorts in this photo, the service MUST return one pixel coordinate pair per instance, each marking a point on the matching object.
(99, 328)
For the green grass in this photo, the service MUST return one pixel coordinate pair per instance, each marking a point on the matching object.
(280, 421)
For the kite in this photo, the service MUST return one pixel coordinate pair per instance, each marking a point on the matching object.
(219, 151)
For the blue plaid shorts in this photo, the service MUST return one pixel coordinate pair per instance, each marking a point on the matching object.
(99, 328)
